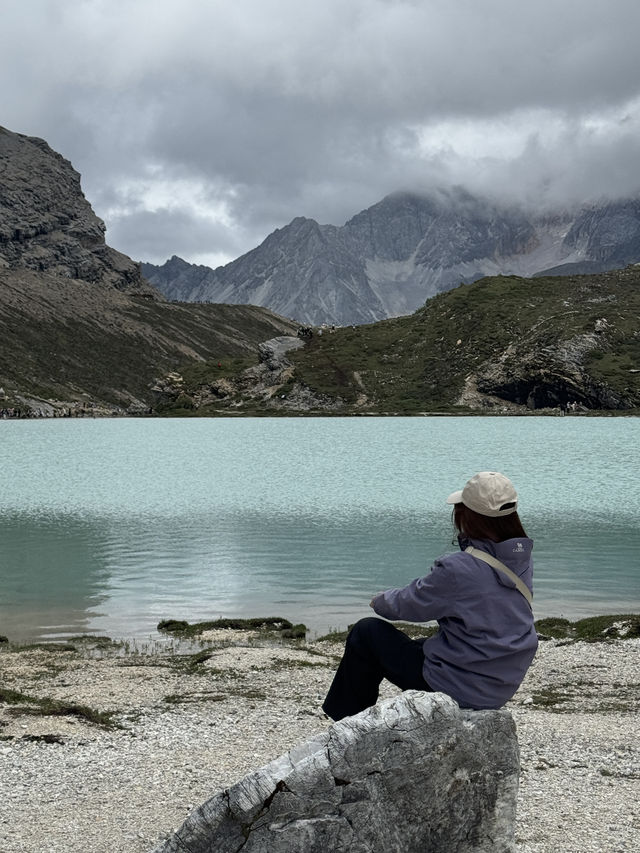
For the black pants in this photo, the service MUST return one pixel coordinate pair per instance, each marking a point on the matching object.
(374, 650)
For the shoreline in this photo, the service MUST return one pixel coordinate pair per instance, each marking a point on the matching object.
(172, 727)
(153, 638)
(225, 413)
(32, 407)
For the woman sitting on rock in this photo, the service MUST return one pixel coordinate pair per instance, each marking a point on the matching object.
(481, 599)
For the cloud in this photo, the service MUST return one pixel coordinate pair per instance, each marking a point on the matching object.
(542, 157)
(201, 125)
(145, 234)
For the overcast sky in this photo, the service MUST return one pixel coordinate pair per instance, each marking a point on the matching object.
(200, 126)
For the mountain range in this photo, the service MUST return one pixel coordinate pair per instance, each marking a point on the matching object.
(81, 330)
(390, 258)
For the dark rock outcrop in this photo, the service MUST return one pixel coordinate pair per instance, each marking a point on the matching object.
(552, 377)
(414, 774)
(48, 226)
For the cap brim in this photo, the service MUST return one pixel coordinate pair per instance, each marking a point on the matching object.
(455, 498)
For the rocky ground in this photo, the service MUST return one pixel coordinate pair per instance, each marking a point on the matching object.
(106, 750)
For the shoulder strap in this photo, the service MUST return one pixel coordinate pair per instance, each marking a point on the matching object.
(492, 561)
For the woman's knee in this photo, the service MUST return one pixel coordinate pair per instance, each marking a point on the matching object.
(364, 624)
(367, 631)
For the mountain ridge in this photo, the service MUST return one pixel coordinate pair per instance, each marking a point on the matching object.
(389, 259)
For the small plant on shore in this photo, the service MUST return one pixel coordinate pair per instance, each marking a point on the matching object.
(268, 625)
(194, 663)
(93, 640)
(48, 707)
(334, 636)
(46, 647)
(187, 699)
(549, 697)
(288, 664)
(594, 629)
(248, 693)
(295, 632)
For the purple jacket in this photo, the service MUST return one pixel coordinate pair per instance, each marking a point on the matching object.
(486, 639)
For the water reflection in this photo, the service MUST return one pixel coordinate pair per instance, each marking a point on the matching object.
(120, 577)
(53, 575)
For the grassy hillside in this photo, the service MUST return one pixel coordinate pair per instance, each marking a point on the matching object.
(502, 344)
(507, 336)
(64, 339)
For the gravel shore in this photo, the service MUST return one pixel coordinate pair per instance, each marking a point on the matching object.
(185, 726)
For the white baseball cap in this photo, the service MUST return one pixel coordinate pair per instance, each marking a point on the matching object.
(487, 493)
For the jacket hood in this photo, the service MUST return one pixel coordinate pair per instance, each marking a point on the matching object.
(516, 554)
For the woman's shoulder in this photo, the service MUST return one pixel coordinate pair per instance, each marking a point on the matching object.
(458, 563)
(454, 561)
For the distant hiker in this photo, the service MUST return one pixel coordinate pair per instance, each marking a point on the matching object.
(481, 599)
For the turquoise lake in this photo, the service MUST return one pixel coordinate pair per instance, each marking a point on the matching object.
(108, 526)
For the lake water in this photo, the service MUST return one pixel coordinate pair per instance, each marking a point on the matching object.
(108, 526)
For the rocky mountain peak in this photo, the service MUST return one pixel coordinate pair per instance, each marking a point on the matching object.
(609, 231)
(389, 259)
(46, 223)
